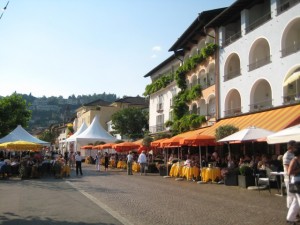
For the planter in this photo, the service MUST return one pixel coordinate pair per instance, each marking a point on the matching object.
(163, 170)
(246, 181)
(231, 179)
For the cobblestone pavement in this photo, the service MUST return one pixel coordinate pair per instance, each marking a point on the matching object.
(152, 199)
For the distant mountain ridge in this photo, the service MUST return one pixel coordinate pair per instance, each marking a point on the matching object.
(52, 110)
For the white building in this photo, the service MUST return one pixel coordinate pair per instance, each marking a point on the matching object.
(259, 66)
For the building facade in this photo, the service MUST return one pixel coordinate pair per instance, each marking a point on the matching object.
(259, 65)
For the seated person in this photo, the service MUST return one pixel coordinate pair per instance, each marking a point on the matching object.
(216, 160)
(263, 163)
(230, 166)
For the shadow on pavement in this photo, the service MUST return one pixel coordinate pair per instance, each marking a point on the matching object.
(8, 218)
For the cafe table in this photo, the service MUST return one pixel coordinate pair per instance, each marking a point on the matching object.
(281, 175)
(210, 173)
(190, 172)
(176, 170)
(122, 165)
(135, 167)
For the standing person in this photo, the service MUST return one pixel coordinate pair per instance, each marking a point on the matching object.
(106, 161)
(98, 161)
(287, 157)
(116, 160)
(78, 163)
(294, 170)
(142, 160)
(129, 163)
(71, 159)
(66, 157)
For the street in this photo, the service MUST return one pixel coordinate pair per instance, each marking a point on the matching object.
(114, 198)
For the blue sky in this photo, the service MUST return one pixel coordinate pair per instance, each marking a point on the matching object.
(81, 47)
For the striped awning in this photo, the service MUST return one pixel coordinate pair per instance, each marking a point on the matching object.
(273, 120)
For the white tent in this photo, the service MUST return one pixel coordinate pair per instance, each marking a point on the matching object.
(20, 134)
(81, 129)
(95, 132)
(285, 135)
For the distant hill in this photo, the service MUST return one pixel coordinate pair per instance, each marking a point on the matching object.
(52, 110)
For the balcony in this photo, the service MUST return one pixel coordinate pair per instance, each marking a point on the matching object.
(232, 75)
(286, 5)
(258, 22)
(260, 106)
(295, 47)
(259, 63)
(157, 128)
(291, 99)
(233, 112)
(232, 39)
(159, 107)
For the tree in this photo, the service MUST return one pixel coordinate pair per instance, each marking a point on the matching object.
(48, 136)
(224, 131)
(13, 112)
(130, 122)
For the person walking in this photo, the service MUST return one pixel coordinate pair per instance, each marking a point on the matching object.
(129, 163)
(78, 163)
(294, 171)
(106, 161)
(142, 160)
(287, 157)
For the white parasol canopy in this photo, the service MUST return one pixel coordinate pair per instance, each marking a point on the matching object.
(247, 134)
(285, 135)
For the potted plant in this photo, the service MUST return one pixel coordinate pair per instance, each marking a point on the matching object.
(246, 178)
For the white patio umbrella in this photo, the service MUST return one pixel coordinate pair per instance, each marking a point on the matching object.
(285, 135)
(248, 134)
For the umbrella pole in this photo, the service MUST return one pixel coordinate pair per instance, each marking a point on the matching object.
(200, 156)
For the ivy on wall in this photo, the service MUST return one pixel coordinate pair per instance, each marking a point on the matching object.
(182, 120)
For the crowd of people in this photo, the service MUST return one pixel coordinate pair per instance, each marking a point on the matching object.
(35, 165)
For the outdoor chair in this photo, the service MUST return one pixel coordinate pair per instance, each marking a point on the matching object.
(265, 182)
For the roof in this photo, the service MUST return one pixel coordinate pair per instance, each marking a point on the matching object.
(273, 120)
(160, 66)
(133, 100)
(232, 12)
(98, 102)
(196, 28)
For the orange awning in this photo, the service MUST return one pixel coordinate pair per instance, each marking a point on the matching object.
(175, 140)
(273, 120)
(125, 146)
(198, 140)
(157, 143)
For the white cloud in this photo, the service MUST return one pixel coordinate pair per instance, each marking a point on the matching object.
(153, 56)
(156, 49)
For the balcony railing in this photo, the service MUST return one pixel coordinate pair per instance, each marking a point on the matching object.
(232, 38)
(291, 99)
(258, 22)
(286, 5)
(295, 47)
(157, 128)
(233, 112)
(262, 105)
(232, 74)
(259, 63)
(159, 107)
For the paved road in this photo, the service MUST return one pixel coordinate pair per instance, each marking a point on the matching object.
(114, 198)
